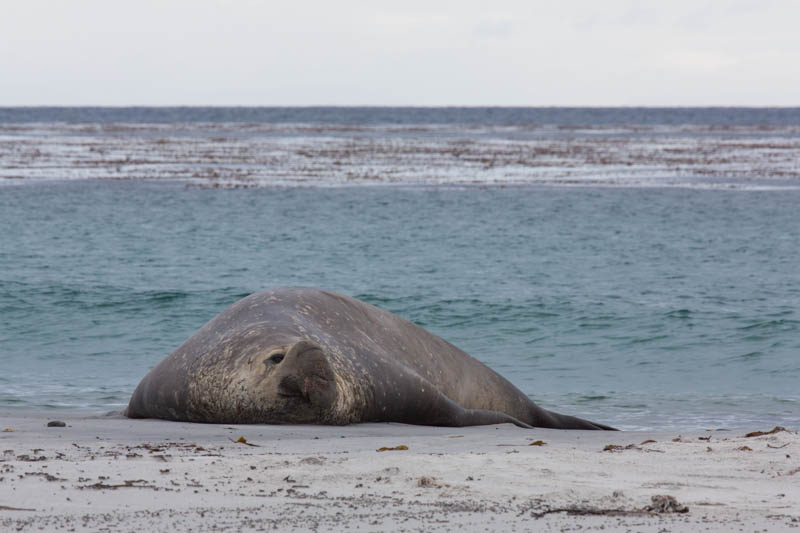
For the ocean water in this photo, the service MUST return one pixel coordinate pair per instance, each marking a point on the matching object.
(641, 271)
(414, 116)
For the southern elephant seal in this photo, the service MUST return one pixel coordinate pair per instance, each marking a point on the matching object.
(309, 356)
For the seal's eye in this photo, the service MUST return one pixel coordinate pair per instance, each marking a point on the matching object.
(276, 358)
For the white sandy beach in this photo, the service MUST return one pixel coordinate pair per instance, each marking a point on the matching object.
(111, 473)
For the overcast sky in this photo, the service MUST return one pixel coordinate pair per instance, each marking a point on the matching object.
(406, 52)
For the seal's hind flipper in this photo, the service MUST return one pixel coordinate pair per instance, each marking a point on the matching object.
(548, 419)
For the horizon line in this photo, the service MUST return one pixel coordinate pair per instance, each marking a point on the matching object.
(403, 106)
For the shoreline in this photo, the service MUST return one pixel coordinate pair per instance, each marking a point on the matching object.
(104, 471)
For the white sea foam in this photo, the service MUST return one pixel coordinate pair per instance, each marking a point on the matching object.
(263, 155)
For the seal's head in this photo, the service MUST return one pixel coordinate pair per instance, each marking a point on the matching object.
(302, 378)
(276, 383)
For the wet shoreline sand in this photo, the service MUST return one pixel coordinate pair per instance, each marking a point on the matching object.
(108, 472)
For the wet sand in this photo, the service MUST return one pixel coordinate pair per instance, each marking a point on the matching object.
(111, 473)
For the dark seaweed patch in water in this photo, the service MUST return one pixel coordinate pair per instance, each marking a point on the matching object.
(680, 314)
(645, 340)
(11, 400)
(768, 325)
(165, 296)
(539, 356)
(750, 356)
(592, 398)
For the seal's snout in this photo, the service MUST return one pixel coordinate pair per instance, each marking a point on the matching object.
(306, 373)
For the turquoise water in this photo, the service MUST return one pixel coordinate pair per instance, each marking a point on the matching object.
(638, 307)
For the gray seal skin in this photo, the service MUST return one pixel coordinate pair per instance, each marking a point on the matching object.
(308, 356)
